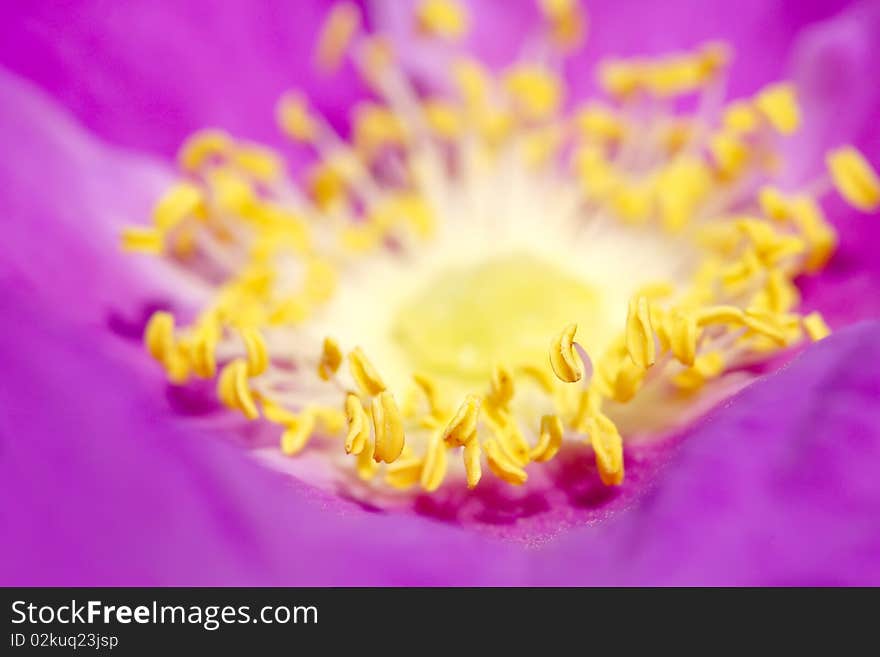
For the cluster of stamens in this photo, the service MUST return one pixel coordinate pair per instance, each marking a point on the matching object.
(272, 254)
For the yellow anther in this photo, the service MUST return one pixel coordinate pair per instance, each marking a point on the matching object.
(535, 90)
(743, 271)
(331, 359)
(815, 326)
(510, 438)
(232, 192)
(766, 324)
(550, 439)
(472, 81)
(502, 465)
(260, 163)
(640, 333)
(387, 428)
(683, 334)
(143, 240)
(203, 350)
(719, 315)
(376, 126)
(177, 204)
(337, 32)
(712, 57)
(567, 22)
(446, 19)
(202, 148)
(599, 123)
(177, 364)
(159, 335)
(364, 374)
(233, 390)
(820, 237)
(471, 455)
(404, 473)
(730, 154)
(276, 413)
(294, 117)
(358, 425)
(854, 178)
(564, 359)
(620, 78)
(628, 381)
(706, 366)
(740, 118)
(327, 186)
(773, 204)
(434, 469)
(779, 294)
(443, 118)
(779, 106)
(256, 350)
(500, 387)
(366, 466)
(608, 447)
(375, 58)
(464, 423)
(297, 434)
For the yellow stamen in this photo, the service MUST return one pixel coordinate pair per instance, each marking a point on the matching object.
(815, 326)
(257, 352)
(536, 91)
(143, 240)
(435, 464)
(564, 360)
(854, 178)
(339, 29)
(471, 456)
(608, 447)
(779, 106)
(683, 333)
(358, 425)
(331, 359)
(501, 387)
(442, 18)
(297, 434)
(464, 423)
(203, 147)
(364, 374)
(550, 440)
(387, 427)
(567, 22)
(640, 333)
(233, 389)
(295, 119)
(159, 335)
(502, 465)
(178, 203)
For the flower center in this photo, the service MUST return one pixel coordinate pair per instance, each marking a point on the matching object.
(384, 305)
(470, 319)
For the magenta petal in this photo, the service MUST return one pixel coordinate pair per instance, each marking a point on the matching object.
(831, 64)
(103, 488)
(780, 487)
(147, 74)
